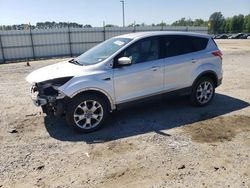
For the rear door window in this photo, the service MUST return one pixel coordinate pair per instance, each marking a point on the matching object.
(174, 45)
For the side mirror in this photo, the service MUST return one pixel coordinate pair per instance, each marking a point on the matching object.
(124, 61)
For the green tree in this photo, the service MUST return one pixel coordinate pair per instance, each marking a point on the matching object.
(223, 27)
(131, 25)
(109, 25)
(161, 24)
(216, 20)
(237, 24)
(228, 26)
(199, 22)
(181, 22)
(87, 26)
(247, 23)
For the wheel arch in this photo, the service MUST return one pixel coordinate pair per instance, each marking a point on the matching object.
(99, 92)
(210, 74)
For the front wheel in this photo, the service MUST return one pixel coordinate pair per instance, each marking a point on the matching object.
(87, 113)
(202, 92)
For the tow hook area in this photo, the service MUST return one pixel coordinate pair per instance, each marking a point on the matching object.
(51, 100)
(54, 107)
(39, 102)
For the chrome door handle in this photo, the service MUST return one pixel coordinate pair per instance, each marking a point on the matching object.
(106, 79)
(193, 60)
(154, 68)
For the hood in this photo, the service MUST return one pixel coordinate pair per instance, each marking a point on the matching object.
(58, 70)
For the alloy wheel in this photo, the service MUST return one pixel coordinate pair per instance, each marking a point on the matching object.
(88, 114)
(204, 92)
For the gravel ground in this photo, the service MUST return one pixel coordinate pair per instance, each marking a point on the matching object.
(163, 144)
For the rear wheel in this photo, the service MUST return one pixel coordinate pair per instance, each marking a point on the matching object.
(202, 92)
(87, 113)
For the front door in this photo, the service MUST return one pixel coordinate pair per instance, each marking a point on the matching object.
(144, 77)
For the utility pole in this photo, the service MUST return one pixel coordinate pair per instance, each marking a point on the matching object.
(123, 16)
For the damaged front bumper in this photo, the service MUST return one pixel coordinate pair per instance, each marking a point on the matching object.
(43, 99)
(47, 95)
(38, 101)
(51, 104)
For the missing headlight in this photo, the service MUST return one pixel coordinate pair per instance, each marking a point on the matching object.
(56, 81)
(49, 87)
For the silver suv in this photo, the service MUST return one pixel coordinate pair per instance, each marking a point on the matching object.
(125, 69)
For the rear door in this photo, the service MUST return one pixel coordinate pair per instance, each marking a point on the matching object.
(181, 55)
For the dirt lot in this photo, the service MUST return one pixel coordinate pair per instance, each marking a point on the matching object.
(166, 144)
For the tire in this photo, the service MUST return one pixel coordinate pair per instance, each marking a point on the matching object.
(86, 113)
(48, 110)
(202, 92)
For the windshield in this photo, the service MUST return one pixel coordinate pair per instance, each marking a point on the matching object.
(102, 51)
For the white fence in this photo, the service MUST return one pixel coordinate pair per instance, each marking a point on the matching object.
(45, 43)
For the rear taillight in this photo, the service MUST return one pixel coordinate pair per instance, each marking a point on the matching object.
(217, 53)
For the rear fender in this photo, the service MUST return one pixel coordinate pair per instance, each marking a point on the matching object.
(205, 68)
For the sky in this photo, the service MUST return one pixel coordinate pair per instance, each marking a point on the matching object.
(94, 12)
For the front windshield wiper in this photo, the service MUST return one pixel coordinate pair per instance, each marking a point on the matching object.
(74, 62)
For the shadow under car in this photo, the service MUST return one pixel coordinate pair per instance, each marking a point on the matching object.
(144, 118)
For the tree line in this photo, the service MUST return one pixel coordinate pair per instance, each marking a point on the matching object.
(216, 23)
(236, 24)
(44, 25)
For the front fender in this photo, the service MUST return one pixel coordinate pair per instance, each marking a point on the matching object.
(90, 83)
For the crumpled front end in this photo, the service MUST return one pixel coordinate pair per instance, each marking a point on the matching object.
(47, 95)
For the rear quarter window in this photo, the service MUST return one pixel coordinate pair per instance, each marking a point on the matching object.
(199, 43)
